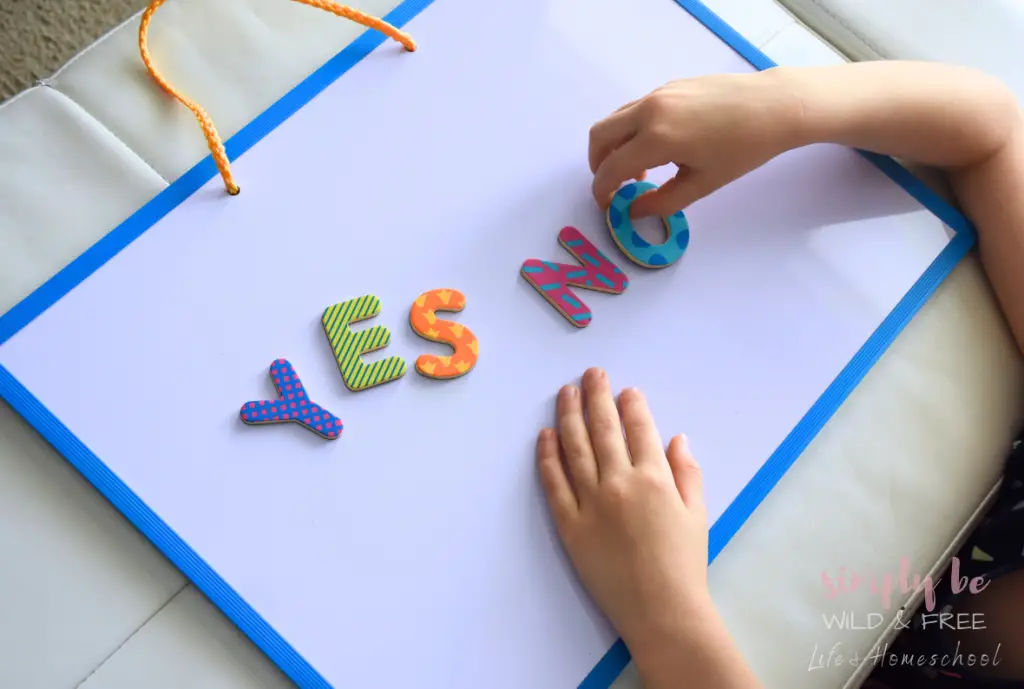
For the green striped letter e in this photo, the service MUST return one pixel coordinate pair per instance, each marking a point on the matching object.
(349, 346)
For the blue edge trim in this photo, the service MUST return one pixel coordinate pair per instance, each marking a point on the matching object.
(218, 590)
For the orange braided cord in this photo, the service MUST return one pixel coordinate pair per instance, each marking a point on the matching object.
(220, 156)
(213, 140)
(366, 20)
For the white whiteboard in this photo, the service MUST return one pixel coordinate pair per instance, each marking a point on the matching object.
(409, 553)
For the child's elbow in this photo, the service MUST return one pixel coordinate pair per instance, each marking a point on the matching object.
(999, 114)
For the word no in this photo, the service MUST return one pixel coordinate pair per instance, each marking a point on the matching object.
(595, 271)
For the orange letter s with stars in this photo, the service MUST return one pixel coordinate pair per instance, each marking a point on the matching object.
(424, 321)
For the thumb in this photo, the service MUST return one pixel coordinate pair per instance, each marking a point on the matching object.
(674, 195)
(687, 474)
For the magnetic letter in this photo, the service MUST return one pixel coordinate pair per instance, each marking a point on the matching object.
(291, 406)
(349, 346)
(554, 281)
(636, 248)
(423, 319)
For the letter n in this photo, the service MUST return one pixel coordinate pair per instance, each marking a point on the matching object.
(555, 281)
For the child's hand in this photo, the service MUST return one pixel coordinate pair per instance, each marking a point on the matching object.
(630, 514)
(714, 128)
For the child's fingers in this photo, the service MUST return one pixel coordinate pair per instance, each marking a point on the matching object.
(687, 473)
(603, 424)
(576, 448)
(561, 499)
(610, 133)
(629, 161)
(642, 435)
(674, 195)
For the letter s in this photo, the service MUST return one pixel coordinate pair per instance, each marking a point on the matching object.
(424, 321)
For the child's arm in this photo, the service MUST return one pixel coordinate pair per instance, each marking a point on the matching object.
(629, 512)
(959, 120)
(718, 128)
(631, 515)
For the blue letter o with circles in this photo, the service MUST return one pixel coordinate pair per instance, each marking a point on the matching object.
(636, 248)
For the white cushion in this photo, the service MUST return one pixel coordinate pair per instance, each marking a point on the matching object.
(234, 58)
(985, 34)
(76, 578)
(795, 46)
(65, 181)
(189, 645)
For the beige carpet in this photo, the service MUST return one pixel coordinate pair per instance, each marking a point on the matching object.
(38, 36)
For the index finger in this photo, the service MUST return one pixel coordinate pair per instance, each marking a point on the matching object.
(630, 161)
(610, 133)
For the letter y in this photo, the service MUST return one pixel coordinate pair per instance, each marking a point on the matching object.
(291, 406)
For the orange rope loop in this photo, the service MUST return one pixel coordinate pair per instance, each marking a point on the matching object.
(213, 140)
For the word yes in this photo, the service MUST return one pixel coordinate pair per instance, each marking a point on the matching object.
(293, 404)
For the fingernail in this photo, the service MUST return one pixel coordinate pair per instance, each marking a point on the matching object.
(570, 391)
(546, 434)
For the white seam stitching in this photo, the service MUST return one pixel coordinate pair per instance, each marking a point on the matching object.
(130, 636)
(95, 119)
(775, 35)
(839, 20)
(94, 44)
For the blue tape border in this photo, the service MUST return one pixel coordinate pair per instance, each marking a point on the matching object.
(218, 590)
